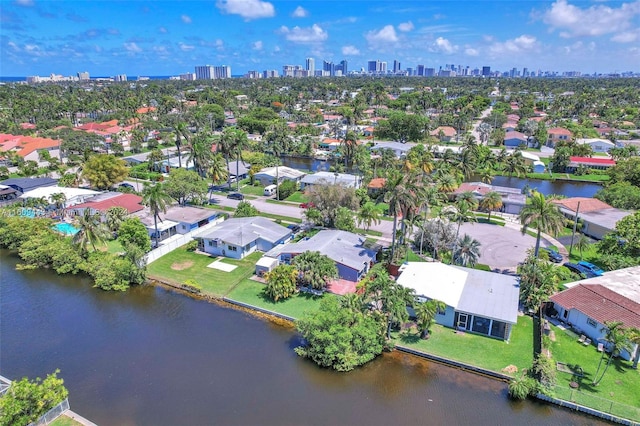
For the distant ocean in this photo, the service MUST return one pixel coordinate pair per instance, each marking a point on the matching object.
(130, 78)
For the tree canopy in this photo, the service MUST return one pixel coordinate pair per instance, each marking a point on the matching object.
(315, 269)
(103, 171)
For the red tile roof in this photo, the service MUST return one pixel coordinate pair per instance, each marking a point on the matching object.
(25, 145)
(589, 160)
(482, 189)
(600, 303)
(377, 183)
(448, 131)
(145, 110)
(586, 204)
(131, 202)
(558, 131)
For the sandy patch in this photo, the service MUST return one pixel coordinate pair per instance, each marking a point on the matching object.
(180, 266)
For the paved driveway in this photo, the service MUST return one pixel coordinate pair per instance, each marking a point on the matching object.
(502, 248)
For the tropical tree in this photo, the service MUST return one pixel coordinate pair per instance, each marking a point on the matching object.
(103, 171)
(154, 157)
(634, 338)
(181, 131)
(582, 244)
(617, 340)
(368, 215)
(315, 270)
(59, 200)
(426, 313)
(91, 230)
(200, 154)
(157, 199)
(490, 202)
(114, 217)
(447, 183)
(467, 251)
(281, 282)
(515, 165)
(245, 209)
(541, 214)
(217, 170)
(403, 194)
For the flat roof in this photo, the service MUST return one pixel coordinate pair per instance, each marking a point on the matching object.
(188, 214)
(623, 281)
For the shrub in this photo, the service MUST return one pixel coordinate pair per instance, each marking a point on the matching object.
(522, 386)
(192, 245)
(192, 286)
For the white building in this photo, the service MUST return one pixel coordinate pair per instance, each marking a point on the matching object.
(597, 144)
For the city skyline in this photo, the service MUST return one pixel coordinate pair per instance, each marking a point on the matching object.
(172, 38)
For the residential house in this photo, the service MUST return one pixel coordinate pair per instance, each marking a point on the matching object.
(598, 218)
(7, 193)
(513, 139)
(375, 187)
(25, 184)
(329, 178)
(267, 176)
(476, 301)
(444, 133)
(346, 249)
(589, 162)
(73, 196)
(512, 198)
(557, 134)
(238, 170)
(597, 144)
(398, 148)
(238, 237)
(588, 304)
(102, 202)
(27, 147)
(189, 218)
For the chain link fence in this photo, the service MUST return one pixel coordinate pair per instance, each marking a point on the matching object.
(601, 404)
(52, 414)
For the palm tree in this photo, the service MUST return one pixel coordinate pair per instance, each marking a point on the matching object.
(541, 214)
(425, 314)
(447, 183)
(368, 215)
(200, 155)
(217, 170)
(226, 147)
(181, 131)
(403, 194)
(582, 244)
(59, 200)
(490, 202)
(155, 197)
(115, 216)
(467, 251)
(240, 143)
(91, 230)
(634, 337)
(514, 164)
(618, 341)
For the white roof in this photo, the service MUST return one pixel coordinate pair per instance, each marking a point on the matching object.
(266, 262)
(623, 281)
(344, 179)
(594, 140)
(481, 293)
(48, 191)
(283, 172)
(529, 156)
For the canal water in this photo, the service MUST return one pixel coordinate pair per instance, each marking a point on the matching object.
(153, 357)
(568, 189)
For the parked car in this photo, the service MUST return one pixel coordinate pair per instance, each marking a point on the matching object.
(235, 196)
(583, 272)
(591, 267)
(554, 256)
(308, 205)
(294, 228)
(126, 185)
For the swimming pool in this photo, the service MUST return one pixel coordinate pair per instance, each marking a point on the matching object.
(65, 228)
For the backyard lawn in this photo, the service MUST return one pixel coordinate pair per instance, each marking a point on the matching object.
(619, 390)
(65, 421)
(297, 197)
(181, 265)
(250, 292)
(473, 349)
(249, 189)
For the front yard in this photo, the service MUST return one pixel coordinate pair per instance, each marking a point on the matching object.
(181, 265)
(476, 350)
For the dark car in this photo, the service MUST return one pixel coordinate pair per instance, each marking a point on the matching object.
(554, 256)
(293, 227)
(580, 270)
(126, 185)
(236, 196)
(595, 270)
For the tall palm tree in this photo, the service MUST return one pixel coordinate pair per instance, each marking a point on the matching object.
(634, 338)
(240, 143)
(226, 146)
(181, 131)
(59, 200)
(156, 198)
(91, 230)
(582, 244)
(447, 183)
(541, 214)
(200, 154)
(490, 202)
(404, 193)
(618, 341)
(426, 313)
(114, 217)
(368, 215)
(514, 165)
(217, 170)
(467, 251)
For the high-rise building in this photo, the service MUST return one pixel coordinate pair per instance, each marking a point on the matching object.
(344, 67)
(372, 66)
(189, 76)
(329, 67)
(525, 72)
(396, 66)
(222, 71)
(429, 72)
(120, 77)
(83, 76)
(310, 65)
(290, 70)
(204, 72)
(270, 74)
(383, 68)
(420, 70)
(486, 71)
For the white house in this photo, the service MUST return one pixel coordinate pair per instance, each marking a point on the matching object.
(267, 176)
(597, 144)
(239, 237)
(588, 304)
(328, 178)
(477, 301)
(73, 196)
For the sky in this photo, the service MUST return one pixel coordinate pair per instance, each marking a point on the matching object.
(164, 37)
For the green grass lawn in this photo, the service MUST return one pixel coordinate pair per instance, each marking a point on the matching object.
(621, 384)
(477, 350)
(568, 176)
(64, 421)
(113, 246)
(181, 265)
(252, 190)
(250, 292)
(297, 197)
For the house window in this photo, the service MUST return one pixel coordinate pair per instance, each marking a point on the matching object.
(211, 243)
(442, 311)
(232, 248)
(481, 325)
(591, 322)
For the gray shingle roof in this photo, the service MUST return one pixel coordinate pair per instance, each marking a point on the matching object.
(244, 230)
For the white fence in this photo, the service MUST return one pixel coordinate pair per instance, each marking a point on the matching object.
(176, 241)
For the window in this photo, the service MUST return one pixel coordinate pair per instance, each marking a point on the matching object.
(210, 243)
(591, 322)
(232, 248)
(442, 311)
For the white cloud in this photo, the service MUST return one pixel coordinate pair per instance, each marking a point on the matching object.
(313, 34)
(300, 12)
(132, 47)
(350, 50)
(248, 9)
(186, 47)
(257, 45)
(442, 45)
(385, 35)
(405, 26)
(163, 30)
(627, 36)
(186, 19)
(470, 51)
(27, 3)
(572, 21)
(524, 43)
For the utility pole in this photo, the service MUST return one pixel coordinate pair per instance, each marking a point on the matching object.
(575, 225)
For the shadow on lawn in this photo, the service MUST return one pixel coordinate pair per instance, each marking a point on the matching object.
(268, 300)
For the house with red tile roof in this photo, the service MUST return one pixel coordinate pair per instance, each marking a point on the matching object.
(598, 163)
(588, 304)
(103, 202)
(444, 133)
(557, 134)
(598, 218)
(26, 146)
